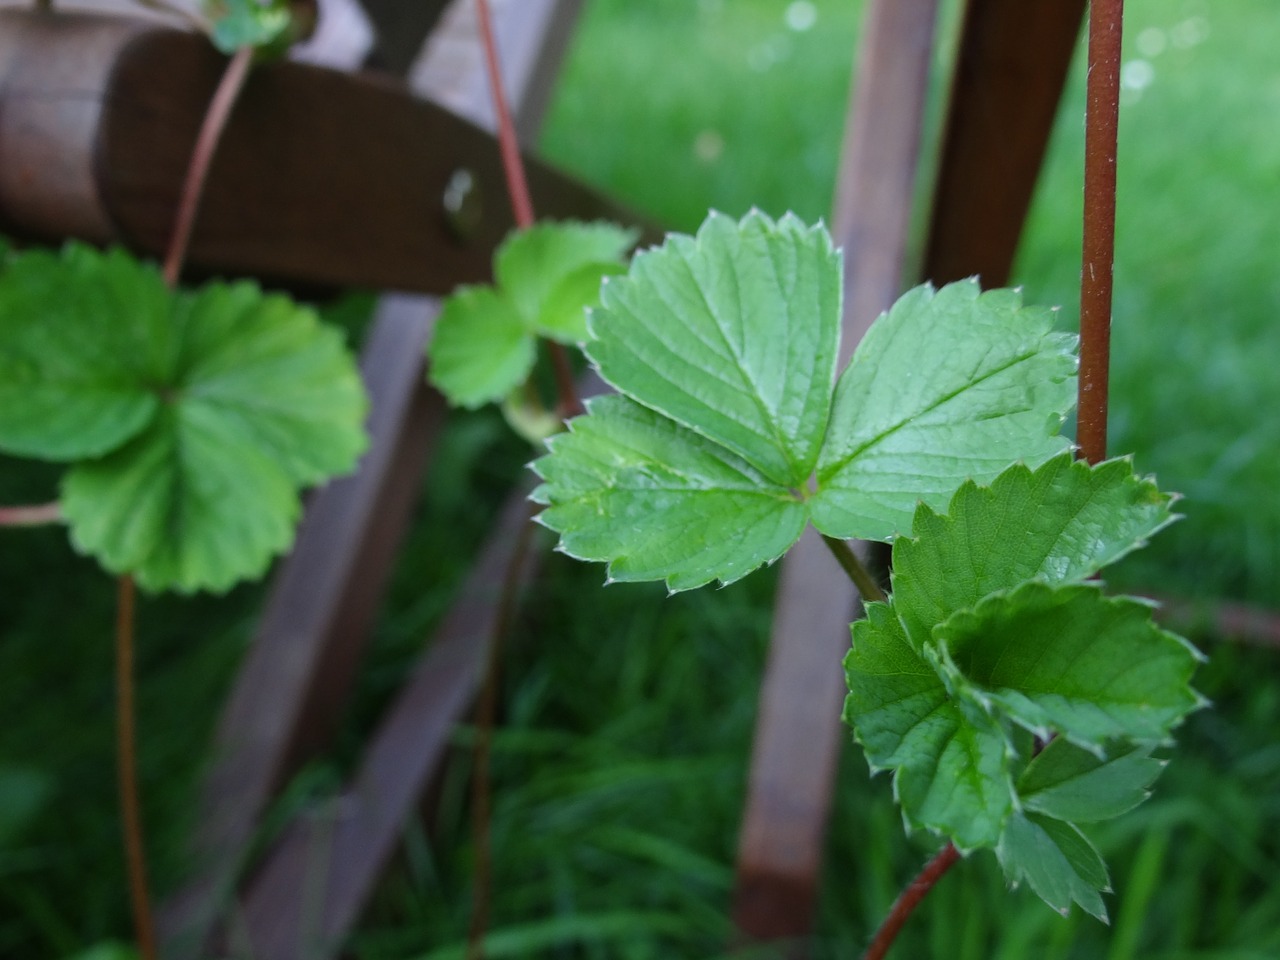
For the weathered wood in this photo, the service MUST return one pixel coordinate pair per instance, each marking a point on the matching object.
(340, 859)
(798, 730)
(1010, 69)
(297, 673)
(321, 178)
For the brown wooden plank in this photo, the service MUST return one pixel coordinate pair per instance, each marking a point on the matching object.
(340, 861)
(322, 177)
(1010, 70)
(798, 729)
(297, 673)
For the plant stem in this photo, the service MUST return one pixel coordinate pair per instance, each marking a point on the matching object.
(215, 120)
(521, 202)
(33, 516)
(486, 719)
(857, 571)
(1102, 121)
(909, 899)
(127, 773)
(508, 143)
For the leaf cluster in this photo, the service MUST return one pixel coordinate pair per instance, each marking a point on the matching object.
(993, 641)
(190, 420)
(484, 345)
(730, 431)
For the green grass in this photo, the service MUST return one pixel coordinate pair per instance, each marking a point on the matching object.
(621, 763)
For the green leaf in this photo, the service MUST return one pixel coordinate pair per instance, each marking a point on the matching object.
(82, 334)
(189, 505)
(480, 350)
(194, 416)
(1070, 783)
(1060, 523)
(732, 334)
(552, 271)
(249, 23)
(684, 508)
(1072, 660)
(269, 368)
(952, 770)
(947, 386)
(1056, 860)
(547, 276)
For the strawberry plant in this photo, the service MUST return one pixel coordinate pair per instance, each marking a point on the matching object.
(1009, 696)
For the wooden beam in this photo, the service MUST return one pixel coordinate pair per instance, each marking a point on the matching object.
(322, 177)
(1010, 69)
(798, 730)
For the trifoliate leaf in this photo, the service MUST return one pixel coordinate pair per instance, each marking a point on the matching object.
(733, 335)
(546, 278)
(982, 644)
(1069, 659)
(1060, 523)
(945, 387)
(951, 770)
(683, 506)
(480, 350)
(196, 415)
(1056, 860)
(83, 335)
(1070, 783)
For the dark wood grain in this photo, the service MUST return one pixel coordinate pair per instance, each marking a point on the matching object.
(1011, 66)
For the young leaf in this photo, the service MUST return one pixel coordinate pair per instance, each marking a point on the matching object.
(685, 507)
(733, 336)
(480, 350)
(1069, 783)
(1057, 861)
(951, 768)
(546, 277)
(552, 271)
(249, 23)
(945, 387)
(1071, 660)
(1060, 523)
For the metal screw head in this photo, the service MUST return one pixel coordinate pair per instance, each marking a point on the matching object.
(461, 201)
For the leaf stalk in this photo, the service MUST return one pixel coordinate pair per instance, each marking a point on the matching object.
(521, 201)
(909, 899)
(855, 568)
(31, 516)
(127, 772)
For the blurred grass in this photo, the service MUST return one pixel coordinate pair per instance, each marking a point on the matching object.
(621, 763)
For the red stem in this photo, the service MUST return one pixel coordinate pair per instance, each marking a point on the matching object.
(215, 120)
(33, 516)
(127, 773)
(486, 719)
(521, 203)
(1102, 122)
(909, 899)
(508, 143)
